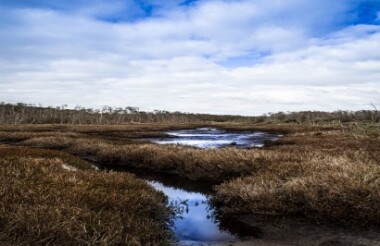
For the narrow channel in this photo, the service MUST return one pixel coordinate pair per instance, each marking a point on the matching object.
(198, 222)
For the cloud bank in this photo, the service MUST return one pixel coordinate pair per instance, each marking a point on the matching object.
(227, 57)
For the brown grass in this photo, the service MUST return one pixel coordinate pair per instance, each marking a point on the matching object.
(192, 163)
(322, 188)
(324, 173)
(17, 136)
(14, 153)
(43, 203)
(123, 134)
(334, 176)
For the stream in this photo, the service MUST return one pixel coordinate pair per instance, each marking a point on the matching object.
(197, 223)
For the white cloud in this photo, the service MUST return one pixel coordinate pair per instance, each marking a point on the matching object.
(172, 61)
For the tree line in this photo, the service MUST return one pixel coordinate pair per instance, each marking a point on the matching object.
(21, 113)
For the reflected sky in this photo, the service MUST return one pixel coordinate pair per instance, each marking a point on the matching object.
(215, 138)
(195, 223)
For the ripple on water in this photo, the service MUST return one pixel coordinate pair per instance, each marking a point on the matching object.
(215, 138)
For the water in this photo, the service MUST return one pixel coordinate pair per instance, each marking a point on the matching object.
(195, 222)
(199, 223)
(216, 138)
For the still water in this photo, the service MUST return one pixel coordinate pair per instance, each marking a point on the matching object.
(216, 138)
(197, 223)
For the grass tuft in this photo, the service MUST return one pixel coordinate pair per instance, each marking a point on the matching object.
(43, 203)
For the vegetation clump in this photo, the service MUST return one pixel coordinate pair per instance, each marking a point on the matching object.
(42, 202)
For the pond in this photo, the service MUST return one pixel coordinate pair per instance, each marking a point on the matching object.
(206, 137)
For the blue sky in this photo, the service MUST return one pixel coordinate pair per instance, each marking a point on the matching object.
(235, 57)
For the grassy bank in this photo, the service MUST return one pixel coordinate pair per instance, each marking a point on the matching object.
(333, 176)
(328, 173)
(51, 197)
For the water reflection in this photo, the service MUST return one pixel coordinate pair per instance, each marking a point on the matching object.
(195, 221)
(216, 138)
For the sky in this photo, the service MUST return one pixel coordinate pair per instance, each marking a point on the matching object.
(246, 57)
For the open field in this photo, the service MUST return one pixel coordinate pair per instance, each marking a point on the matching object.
(325, 174)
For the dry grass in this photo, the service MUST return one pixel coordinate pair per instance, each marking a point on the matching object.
(17, 136)
(322, 188)
(44, 203)
(123, 134)
(14, 153)
(334, 177)
(192, 163)
(325, 173)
